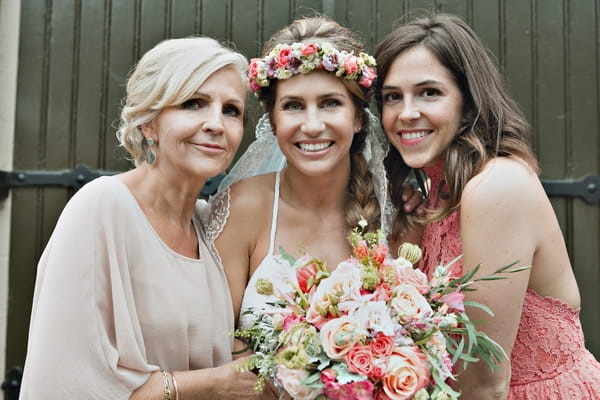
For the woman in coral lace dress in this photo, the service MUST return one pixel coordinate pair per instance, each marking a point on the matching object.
(445, 109)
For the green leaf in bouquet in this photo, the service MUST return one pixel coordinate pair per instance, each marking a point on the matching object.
(286, 256)
(343, 375)
(480, 306)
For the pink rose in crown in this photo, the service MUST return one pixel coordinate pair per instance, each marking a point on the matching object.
(407, 373)
(253, 67)
(367, 77)
(351, 64)
(281, 60)
(309, 49)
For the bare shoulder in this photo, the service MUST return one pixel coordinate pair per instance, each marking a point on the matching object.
(251, 198)
(503, 180)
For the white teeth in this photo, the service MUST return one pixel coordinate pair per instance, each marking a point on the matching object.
(414, 135)
(314, 146)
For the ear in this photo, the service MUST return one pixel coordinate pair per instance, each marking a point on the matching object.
(147, 129)
(358, 122)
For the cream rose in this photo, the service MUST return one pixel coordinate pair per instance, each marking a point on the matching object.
(342, 286)
(339, 335)
(408, 303)
(292, 379)
(407, 373)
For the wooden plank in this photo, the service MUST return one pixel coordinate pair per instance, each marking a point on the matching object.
(518, 63)
(389, 14)
(583, 136)
(214, 18)
(121, 47)
(88, 107)
(183, 18)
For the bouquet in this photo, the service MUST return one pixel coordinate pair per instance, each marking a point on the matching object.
(374, 328)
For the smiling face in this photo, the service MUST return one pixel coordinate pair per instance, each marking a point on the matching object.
(421, 107)
(315, 120)
(199, 137)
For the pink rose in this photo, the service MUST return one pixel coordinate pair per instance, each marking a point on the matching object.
(379, 369)
(383, 292)
(359, 360)
(290, 321)
(328, 375)
(282, 58)
(383, 345)
(362, 390)
(367, 77)
(308, 49)
(455, 300)
(351, 64)
(407, 373)
(410, 276)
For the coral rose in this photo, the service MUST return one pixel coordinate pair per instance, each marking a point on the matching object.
(360, 360)
(407, 373)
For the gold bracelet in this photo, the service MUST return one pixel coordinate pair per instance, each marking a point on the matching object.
(175, 385)
(167, 382)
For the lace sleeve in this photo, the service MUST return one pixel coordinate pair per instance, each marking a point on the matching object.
(219, 214)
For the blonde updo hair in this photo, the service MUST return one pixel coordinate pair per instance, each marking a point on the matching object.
(167, 75)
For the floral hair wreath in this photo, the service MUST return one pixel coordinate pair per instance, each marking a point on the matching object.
(285, 61)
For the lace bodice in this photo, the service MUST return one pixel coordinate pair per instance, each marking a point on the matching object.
(549, 359)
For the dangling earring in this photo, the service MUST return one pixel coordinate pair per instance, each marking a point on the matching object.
(150, 154)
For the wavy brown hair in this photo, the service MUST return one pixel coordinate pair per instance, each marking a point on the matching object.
(360, 199)
(492, 123)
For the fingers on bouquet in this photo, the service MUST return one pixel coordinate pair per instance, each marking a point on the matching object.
(373, 328)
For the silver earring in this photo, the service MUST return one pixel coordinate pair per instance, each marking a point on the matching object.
(150, 154)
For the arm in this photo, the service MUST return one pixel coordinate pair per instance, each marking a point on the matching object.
(237, 240)
(223, 382)
(495, 231)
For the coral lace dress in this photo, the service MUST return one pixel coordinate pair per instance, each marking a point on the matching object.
(549, 359)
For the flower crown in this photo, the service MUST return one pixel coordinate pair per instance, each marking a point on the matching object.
(285, 61)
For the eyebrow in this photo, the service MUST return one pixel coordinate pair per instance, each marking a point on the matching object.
(323, 96)
(203, 95)
(422, 83)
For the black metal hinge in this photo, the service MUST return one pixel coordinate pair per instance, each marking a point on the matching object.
(587, 187)
(73, 179)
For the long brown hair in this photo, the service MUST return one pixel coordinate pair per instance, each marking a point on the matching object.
(492, 124)
(360, 199)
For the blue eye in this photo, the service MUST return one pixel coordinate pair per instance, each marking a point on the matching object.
(192, 104)
(330, 103)
(391, 97)
(292, 106)
(232, 111)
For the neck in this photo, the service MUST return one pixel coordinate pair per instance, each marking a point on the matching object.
(158, 193)
(324, 192)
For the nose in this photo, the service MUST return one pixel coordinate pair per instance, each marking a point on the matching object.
(214, 121)
(409, 111)
(313, 124)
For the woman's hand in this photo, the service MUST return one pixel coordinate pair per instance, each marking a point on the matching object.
(413, 200)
